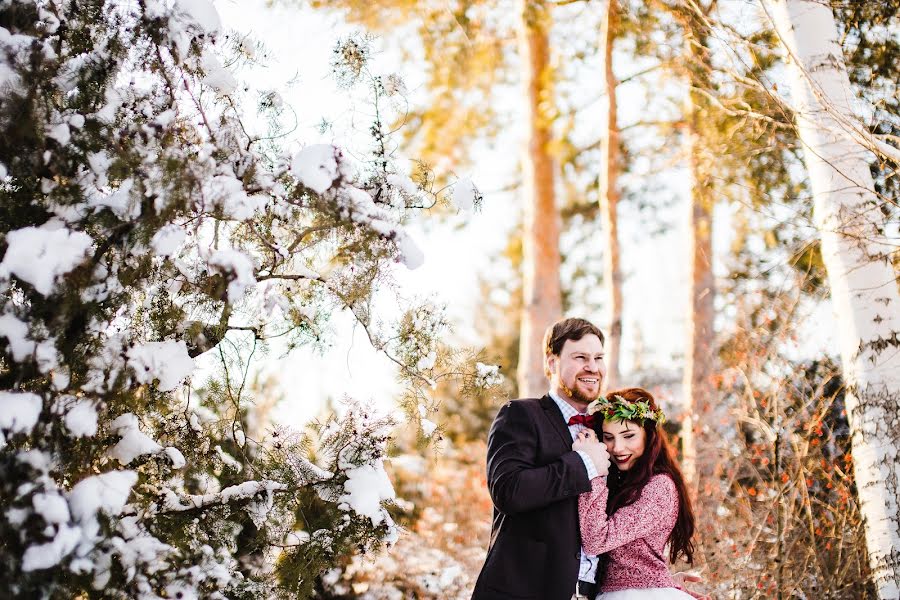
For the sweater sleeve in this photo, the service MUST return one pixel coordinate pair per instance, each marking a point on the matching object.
(654, 509)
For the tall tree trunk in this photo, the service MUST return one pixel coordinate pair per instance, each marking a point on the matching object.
(699, 360)
(698, 389)
(862, 280)
(609, 200)
(540, 236)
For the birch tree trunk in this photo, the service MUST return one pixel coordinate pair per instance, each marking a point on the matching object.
(856, 255)
(540, 235)
(609, 201)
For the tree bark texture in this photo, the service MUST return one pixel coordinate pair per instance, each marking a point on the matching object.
(540, 237)
(856, 254)
(700, 353)
(609, 201)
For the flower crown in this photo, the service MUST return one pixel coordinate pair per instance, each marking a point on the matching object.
(617, 408)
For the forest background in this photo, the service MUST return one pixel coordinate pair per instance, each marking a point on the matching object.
(713, 183)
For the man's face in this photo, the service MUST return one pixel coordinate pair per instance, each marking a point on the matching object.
(577, 373)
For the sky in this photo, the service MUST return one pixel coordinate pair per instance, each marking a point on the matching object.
(298, 46)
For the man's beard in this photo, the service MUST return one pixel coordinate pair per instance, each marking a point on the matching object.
(577, 395)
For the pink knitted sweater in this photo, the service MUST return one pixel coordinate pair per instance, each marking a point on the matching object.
(633, 537)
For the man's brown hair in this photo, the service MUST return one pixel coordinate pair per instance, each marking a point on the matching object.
(568, 329)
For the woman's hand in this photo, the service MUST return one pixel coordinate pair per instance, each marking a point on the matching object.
(690, 576)
(586, 441)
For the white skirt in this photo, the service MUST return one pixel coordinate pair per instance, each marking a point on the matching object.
(646, 594)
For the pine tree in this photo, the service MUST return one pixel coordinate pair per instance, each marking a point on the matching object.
(610, 194)
(142, 225)
(542, 303)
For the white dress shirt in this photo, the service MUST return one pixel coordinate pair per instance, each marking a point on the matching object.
(588, 569)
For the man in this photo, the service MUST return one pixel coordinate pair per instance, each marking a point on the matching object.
(535, 475)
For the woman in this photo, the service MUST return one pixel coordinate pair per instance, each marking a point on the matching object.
(641, 507)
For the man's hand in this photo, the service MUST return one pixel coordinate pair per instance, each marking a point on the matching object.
(588, 443)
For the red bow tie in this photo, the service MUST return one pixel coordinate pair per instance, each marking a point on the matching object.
(586, 420)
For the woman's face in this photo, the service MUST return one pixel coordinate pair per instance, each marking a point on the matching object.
(625, 441)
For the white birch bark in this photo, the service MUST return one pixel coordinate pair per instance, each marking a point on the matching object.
(540, 236)
(856, 254)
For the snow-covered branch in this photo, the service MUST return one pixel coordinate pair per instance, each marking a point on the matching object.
(241, 492)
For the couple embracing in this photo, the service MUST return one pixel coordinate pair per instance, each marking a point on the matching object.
(589, 502)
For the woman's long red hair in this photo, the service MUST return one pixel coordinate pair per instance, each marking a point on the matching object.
(625, 486)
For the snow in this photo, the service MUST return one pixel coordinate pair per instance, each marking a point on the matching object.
(134, 442)
(168, 240)
(40, 256)
(428, 426)
(36, 459)
(107, 492)
(487, 375)
(331, 576)
(239, 267)
(201, 12)
(15, 331)
(228, 460)
(363, 210)
(175, 456)
(182, 591)
(403, 183)
(53, 508)
(259, 508)
(316, 166)
(168, 362)
(241, 491)
(17, 516)
(81, 419)
(8, 77)
(13, 44)
(120, 202)
(443, 579)
(464, 194)
(44, 556)
(100, 163)
(427, 361)
(365, 489)
(60, 379)
(215, 75)
(298, 537)
(114, 100)
(19, 412)
(59, 132)
(227, 193)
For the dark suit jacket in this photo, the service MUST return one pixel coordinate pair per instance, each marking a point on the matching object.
(534, 479)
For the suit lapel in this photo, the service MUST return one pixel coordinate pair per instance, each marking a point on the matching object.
(551, 411)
